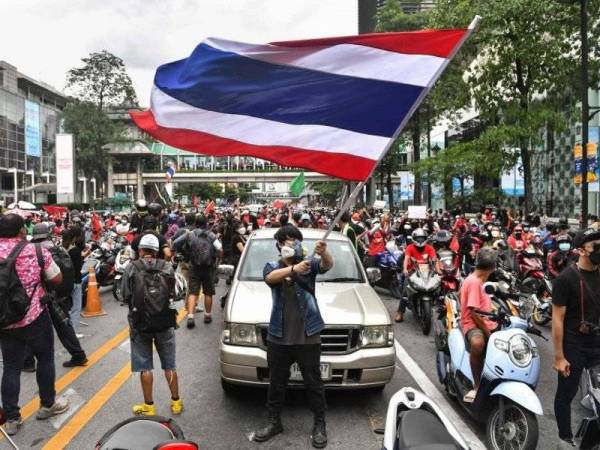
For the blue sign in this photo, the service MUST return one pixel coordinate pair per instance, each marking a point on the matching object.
(33, 138)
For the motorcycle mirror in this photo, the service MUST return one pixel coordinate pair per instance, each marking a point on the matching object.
(489, 288)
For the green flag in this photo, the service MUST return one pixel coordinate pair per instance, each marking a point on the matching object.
(297, 185)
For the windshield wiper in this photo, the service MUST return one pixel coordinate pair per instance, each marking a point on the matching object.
(341, 280)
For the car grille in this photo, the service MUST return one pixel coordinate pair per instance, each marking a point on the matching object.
(338, 377)
(334, 340)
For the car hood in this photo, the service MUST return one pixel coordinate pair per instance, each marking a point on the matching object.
(339, 303)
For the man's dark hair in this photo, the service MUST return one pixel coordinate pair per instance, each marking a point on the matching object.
(288, 232)
(283, 220)
(150, 223)
(10, 225)
(190, 219)
(297, 216)
(201, 221)
(345, 217)
(486, 259)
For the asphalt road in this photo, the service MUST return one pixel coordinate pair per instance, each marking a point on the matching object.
(103, 393)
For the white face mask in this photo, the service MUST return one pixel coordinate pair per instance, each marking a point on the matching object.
(287, 252)
(495, 233)
(241, 230)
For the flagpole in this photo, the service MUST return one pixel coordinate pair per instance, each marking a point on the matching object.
(348, 203)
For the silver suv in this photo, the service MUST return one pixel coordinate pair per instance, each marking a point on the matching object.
(357, 342)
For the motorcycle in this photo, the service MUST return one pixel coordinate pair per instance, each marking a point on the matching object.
(450, 272)
(588, 433)
(535, 282)
(422, 289)
(124, 257)
(102, 260)
(505, 400)
(143, 433)
(415, 421)
(390, 265)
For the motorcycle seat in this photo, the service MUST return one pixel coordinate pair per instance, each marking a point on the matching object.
(421, 430)
(138, 435)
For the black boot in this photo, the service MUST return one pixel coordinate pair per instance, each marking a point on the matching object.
(273, 428)
(319, 434)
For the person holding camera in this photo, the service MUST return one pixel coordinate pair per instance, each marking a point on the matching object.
(576, 325)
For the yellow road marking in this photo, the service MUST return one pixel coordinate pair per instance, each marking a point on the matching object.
(32, 406)
(72, 428)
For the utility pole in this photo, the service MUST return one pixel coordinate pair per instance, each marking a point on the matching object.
(585, 113)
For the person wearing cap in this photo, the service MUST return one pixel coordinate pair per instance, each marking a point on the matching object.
(575, 313)
(162, 337)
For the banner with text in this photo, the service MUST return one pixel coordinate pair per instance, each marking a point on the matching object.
(65, 181)
(33, 138)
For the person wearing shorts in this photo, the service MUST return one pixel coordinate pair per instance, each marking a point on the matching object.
(142, 342)
(477, 329)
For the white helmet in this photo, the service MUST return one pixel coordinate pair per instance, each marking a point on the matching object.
(419, 237)
(181, 288)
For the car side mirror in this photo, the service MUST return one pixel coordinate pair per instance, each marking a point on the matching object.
(373, 274)
(225, 271)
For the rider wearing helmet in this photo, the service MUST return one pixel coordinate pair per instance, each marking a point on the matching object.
(562, 256)
(420, 252)
(137, 217)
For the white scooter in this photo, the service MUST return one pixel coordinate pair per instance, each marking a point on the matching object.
(122, 261)
(413, 421)
(505, 400)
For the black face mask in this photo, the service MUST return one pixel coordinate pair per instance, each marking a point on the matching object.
(595, 255)
(518, 235)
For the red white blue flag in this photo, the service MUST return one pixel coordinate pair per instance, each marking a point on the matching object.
(330, 105)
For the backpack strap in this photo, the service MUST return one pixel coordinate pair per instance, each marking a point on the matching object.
(40, 256)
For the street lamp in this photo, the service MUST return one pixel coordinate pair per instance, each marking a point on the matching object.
(16, 185)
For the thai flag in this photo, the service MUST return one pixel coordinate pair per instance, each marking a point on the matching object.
(330, 105)
(170, 173)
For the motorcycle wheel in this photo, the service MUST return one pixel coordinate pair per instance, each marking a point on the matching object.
(441, 338)
(396, 288)
(425, 317)
(539, 318)
(519, 430)
(116, 291)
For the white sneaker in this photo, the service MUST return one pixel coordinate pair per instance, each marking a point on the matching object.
(199, 308)
(79, 335)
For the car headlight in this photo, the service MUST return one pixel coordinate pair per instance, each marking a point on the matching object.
(377, 336)
(240, 334)
(520, 350)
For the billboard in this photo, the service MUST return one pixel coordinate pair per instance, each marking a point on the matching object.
(592, 149)
(65, 170)
(513, 183)
(33, 138)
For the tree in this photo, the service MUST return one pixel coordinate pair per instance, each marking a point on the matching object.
(330, 191)
(525, 69)
(102, 81)
(91, 129)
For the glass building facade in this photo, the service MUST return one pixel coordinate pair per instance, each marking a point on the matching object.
(16, 89)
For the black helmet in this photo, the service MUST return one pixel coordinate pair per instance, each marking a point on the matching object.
(443, 236)
(141, 207)
(154, 209)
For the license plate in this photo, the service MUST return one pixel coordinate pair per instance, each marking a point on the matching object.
(296, 375)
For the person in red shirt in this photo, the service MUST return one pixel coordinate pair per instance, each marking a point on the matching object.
(376, 243)
(477, 329)
(419, 252)
(517, 240)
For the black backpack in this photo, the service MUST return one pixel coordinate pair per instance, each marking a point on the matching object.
(153, 291)
(14, 301)
(202, 250)
(62, 259)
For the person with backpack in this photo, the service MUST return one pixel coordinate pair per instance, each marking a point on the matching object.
(60, 300)
(204, 248)
(25, 321)
(149, 227)
(148, 287)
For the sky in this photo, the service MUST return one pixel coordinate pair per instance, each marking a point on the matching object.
(46, 38)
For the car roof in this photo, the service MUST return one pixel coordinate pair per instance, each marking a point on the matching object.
(307, 233)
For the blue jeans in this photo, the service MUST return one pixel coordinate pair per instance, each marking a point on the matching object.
(39, 337)
(75, 313)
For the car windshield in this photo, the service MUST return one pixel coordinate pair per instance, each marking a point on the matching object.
(261, 251)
